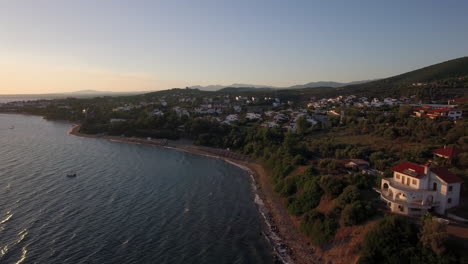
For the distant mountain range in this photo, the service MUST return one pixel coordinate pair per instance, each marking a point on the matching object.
(448, 79)
(254, 86)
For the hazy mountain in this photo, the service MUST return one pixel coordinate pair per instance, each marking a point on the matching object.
(89, 92)
(325, 84)
(234, 85)
(254, 86)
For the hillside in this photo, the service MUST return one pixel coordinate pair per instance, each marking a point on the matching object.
(446, 79)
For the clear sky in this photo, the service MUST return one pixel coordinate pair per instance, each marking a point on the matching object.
(116, 45)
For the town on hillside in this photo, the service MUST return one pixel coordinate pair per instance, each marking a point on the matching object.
(341, 165)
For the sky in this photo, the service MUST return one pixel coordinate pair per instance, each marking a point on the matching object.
(49, 46)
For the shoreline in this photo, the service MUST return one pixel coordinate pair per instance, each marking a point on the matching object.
(289, 244)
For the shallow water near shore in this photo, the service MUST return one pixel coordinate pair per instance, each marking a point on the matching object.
(128, 203)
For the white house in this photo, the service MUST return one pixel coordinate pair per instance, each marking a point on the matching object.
(231, 118)
(253, 116)
(157, 112)
(416, 189)
(117, 120)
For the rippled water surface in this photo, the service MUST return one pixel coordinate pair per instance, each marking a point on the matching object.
(128, 203)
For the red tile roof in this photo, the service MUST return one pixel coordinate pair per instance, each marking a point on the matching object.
(448, 152)
(446, 175)
(411, 169)
(461, 100)
(440, 110)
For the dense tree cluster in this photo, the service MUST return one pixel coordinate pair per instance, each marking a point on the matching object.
(397, 240)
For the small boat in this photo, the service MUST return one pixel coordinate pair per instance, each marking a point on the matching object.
(71, 175)
(12, 127)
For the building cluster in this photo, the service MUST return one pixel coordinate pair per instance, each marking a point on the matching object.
(229, 110)
(353, 100)
(438, 112)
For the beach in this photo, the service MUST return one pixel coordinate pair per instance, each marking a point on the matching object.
(291, 246)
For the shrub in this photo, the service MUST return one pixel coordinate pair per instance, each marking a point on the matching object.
(311, 171)
(309, 199)
(350, 194)
(392, 240)
(319, 228)
(363, 181)
(299, 160)
(332, 185)
(356, 213)
(434, 235)
(288, 187)
(390, 133)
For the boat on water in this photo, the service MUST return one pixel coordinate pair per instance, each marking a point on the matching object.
(71, 175)
(12, 127)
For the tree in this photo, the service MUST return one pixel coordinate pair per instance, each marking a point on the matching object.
(433, 235)
(332, 185)
(319, 228)
(302, 125)
(392, 240)
(356, 213)
(391, 133)
(350, 194)
(309, 199)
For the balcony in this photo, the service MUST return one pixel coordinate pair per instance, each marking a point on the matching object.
(395, 192)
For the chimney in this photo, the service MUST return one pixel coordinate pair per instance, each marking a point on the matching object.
(427, 168)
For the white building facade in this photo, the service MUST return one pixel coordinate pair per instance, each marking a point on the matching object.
(418, 189)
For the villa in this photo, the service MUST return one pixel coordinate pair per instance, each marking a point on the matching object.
(417, 189)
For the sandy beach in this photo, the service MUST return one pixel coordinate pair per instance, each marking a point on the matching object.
(290, 244)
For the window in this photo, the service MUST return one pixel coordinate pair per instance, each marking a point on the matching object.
(449, 200)
(434, 186)
(450, 188)
(414, 181)
(398, 176)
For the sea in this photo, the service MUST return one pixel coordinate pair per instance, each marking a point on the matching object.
(127, 204)
(13, 98)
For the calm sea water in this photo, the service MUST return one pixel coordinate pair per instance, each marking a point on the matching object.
(128, 203)
(12, 98)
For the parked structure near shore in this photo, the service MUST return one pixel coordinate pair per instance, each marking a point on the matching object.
(416, 189)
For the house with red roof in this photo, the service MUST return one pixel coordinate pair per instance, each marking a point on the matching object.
(447, 153)
(417, 189)
(438, 112)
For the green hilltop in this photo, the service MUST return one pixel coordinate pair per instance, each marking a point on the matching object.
(446, 79)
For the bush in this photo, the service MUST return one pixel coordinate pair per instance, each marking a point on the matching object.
(392, 240)
(434, 235)
(332, 185)
(319, 228)
(288, 187)
(395, 240)
(350, 194)
(363, 181)
(306, 201)
(311, 171)
(390, 133)
(299, 160)
(356, 213)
